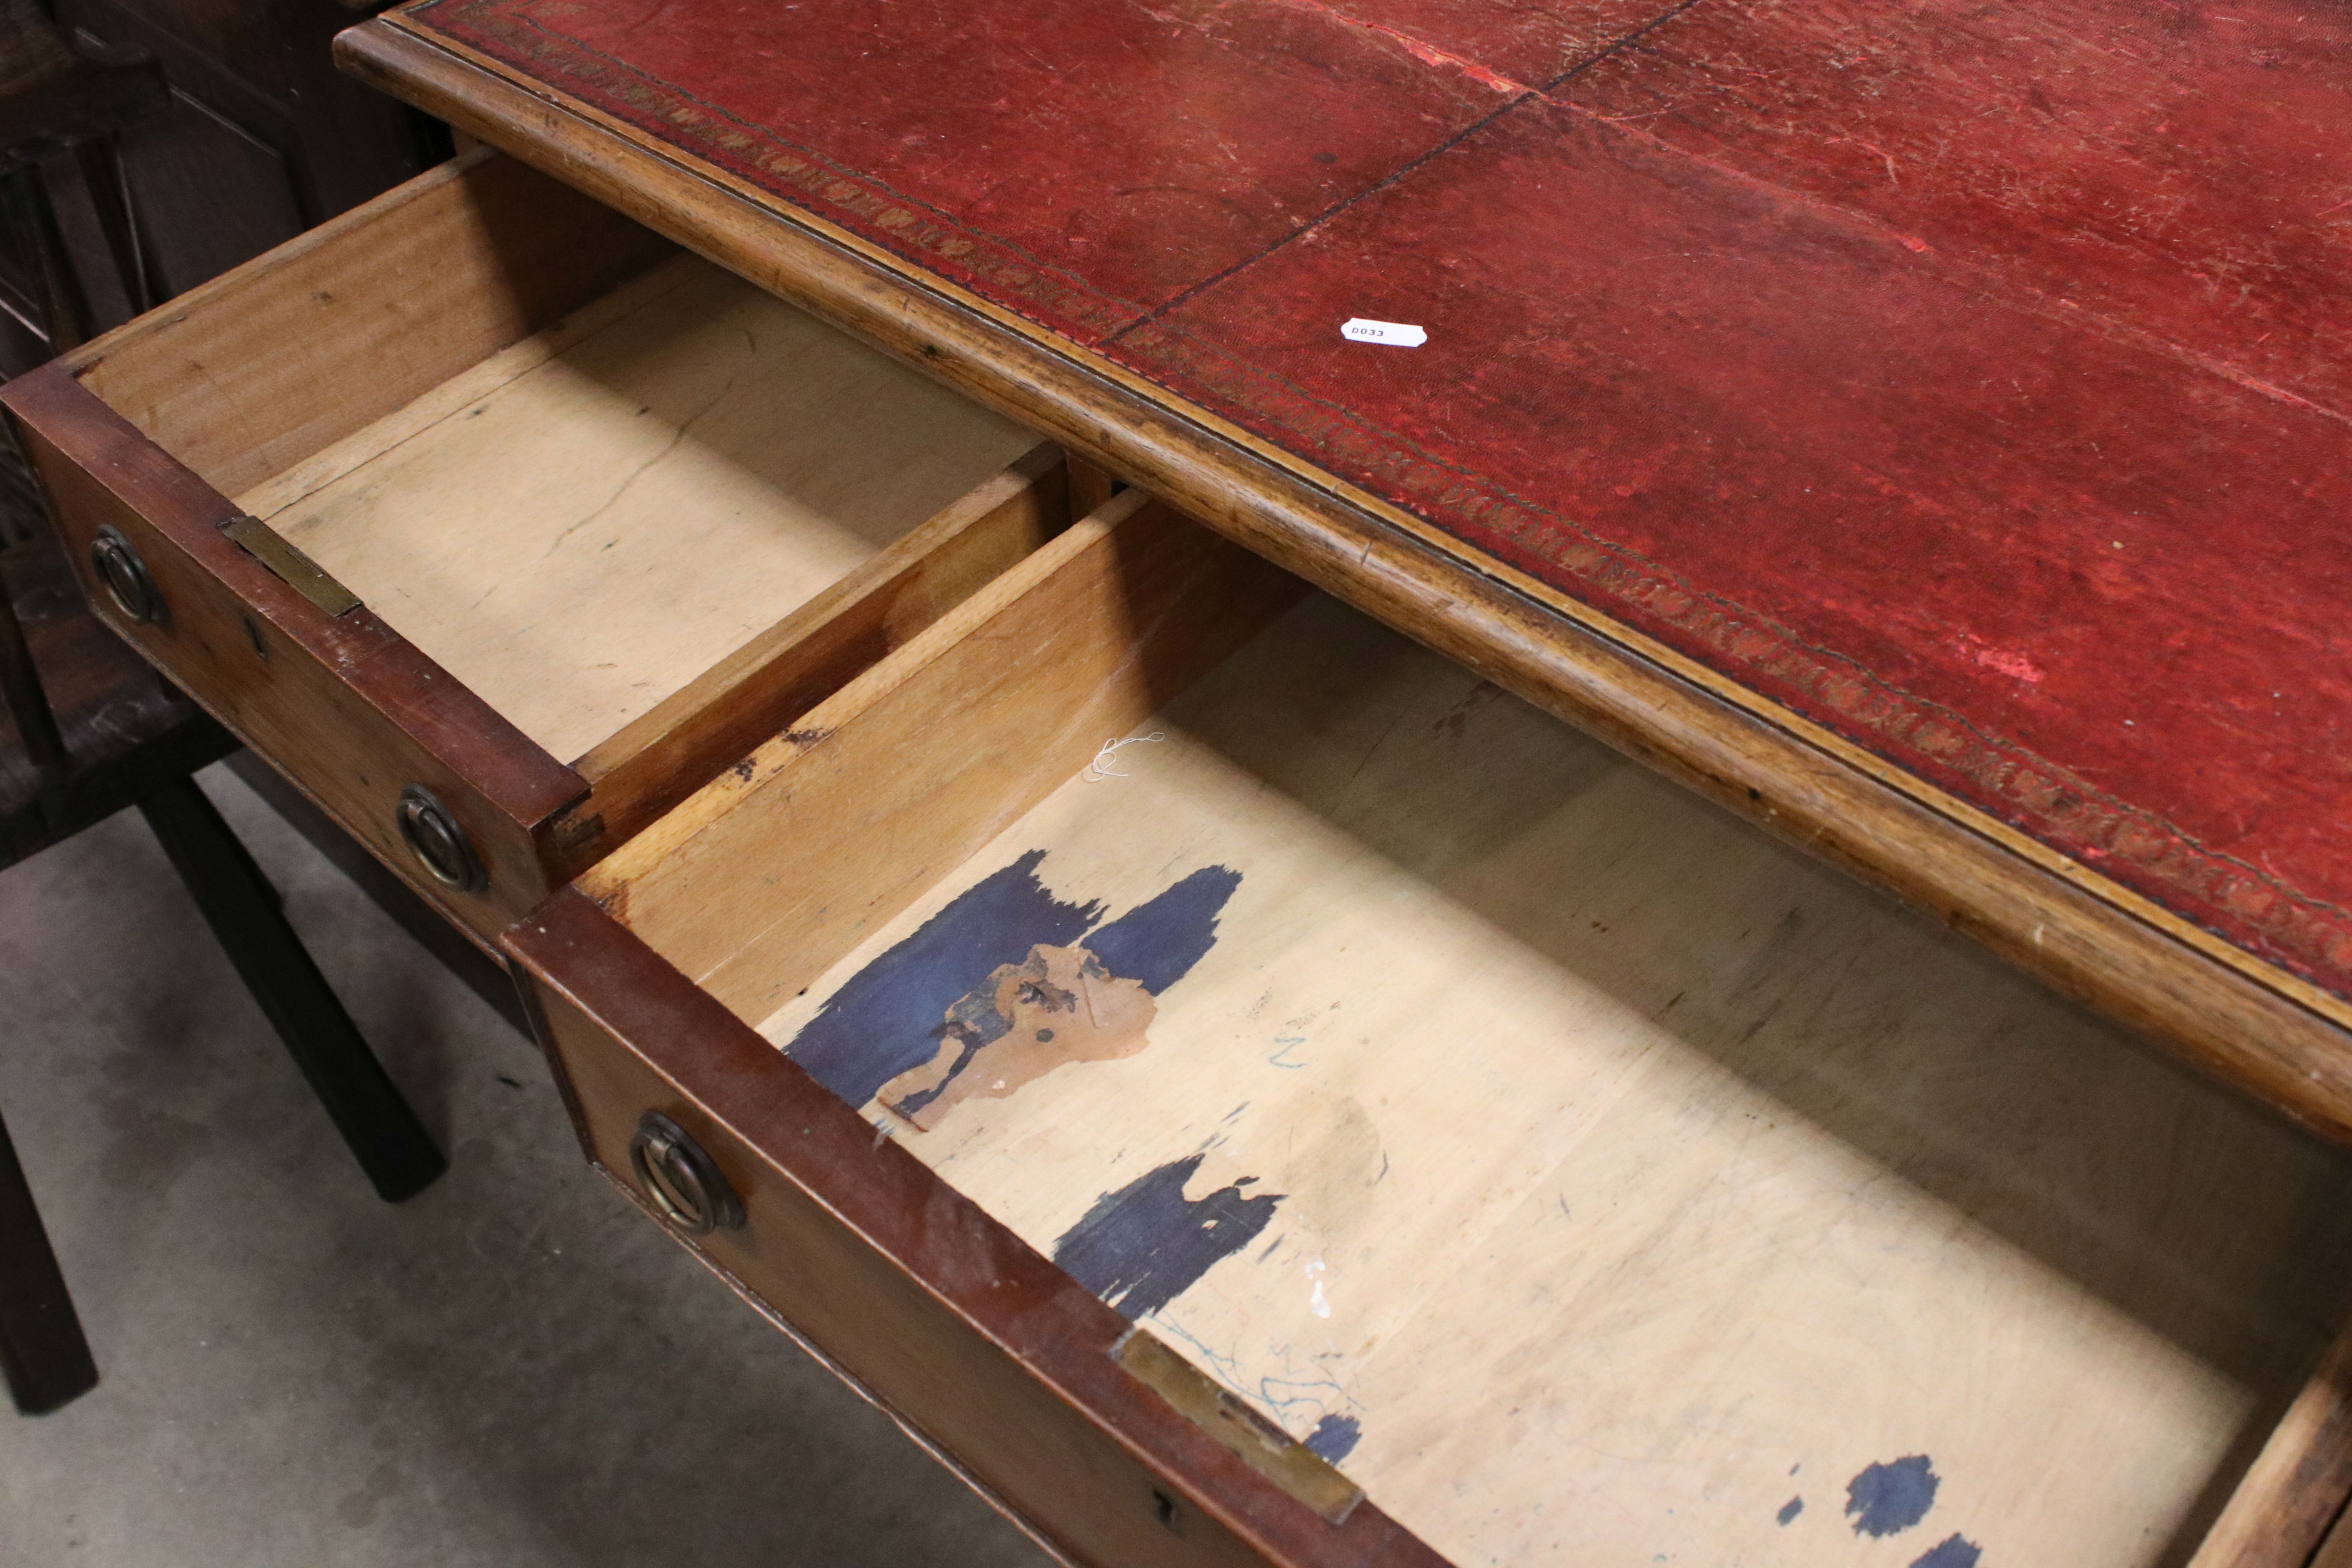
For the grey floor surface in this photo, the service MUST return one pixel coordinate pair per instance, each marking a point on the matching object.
(513, 1369)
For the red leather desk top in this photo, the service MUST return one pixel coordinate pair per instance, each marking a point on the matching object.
(1970, 380)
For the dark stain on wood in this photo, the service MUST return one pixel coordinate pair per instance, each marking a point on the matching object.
(994, 991)
(1090, 1003)
(1156, 942)
(1335, 1437)
(1141, 1247)
(1020, 1023)
(1893, 1495)
(1952, 1552)
(889, 1017)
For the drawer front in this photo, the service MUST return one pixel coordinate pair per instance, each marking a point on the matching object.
(140, 437)
(990, 1352)
(341, 704)
(436, 395)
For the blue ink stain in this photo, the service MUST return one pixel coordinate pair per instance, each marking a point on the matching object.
(1156, 942)
(1335, 1437)
(886, 1019)
(890, 1017)
(1141, 1247)
(1790, 1509)
(1954, 1552)
(1289, 1044)
(1886, 1497)
(975, 1022)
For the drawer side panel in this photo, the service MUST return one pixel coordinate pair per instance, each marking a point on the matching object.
(244, 376)
(2280, 1514)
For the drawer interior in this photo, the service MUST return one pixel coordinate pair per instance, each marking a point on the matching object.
(583, 522)
(604, 484)
(1588, 1175)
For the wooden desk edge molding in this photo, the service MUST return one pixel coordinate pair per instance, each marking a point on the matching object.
(2266, 1031)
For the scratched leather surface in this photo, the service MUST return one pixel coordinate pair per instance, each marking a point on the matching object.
(1972, 380)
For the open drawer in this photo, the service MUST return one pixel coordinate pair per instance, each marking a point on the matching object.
(1247, 1091)
(499, 524)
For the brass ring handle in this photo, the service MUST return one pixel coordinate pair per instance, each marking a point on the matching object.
(125, 575)
(683, 1181)
(439, 845)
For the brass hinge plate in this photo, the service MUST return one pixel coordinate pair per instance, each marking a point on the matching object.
(1264, 1446)
(289, 565)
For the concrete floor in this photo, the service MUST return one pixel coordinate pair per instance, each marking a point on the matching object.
(513, 1369)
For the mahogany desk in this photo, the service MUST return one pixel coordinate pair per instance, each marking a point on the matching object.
(1922, 431)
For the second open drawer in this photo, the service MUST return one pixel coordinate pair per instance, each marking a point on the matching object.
(1247, 1091)
(499, 524)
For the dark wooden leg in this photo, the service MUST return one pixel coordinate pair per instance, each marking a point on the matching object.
(101, 171)
(65, 313)
(243, 909)
(42, 1352)
(458, 952)
(21, 695)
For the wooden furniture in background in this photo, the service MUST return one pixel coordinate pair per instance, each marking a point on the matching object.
(193, 137)
(155, 199)
(64, 100)
(87, 729)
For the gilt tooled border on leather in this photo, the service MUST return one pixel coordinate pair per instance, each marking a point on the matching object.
(2243, 904)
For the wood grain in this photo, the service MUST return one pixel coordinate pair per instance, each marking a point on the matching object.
(576, 534)
(760, 688)
(1091, 486)
(767, 874)
(90, 710)
(249, 374)
(1960, 523)
(2336, 1551)
(2281, 1515)
(2276, 1037)
(1627, 1177)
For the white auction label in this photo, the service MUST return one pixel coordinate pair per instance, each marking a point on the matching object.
(1398, 333)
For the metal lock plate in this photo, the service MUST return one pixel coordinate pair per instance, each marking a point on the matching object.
(289, 565)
